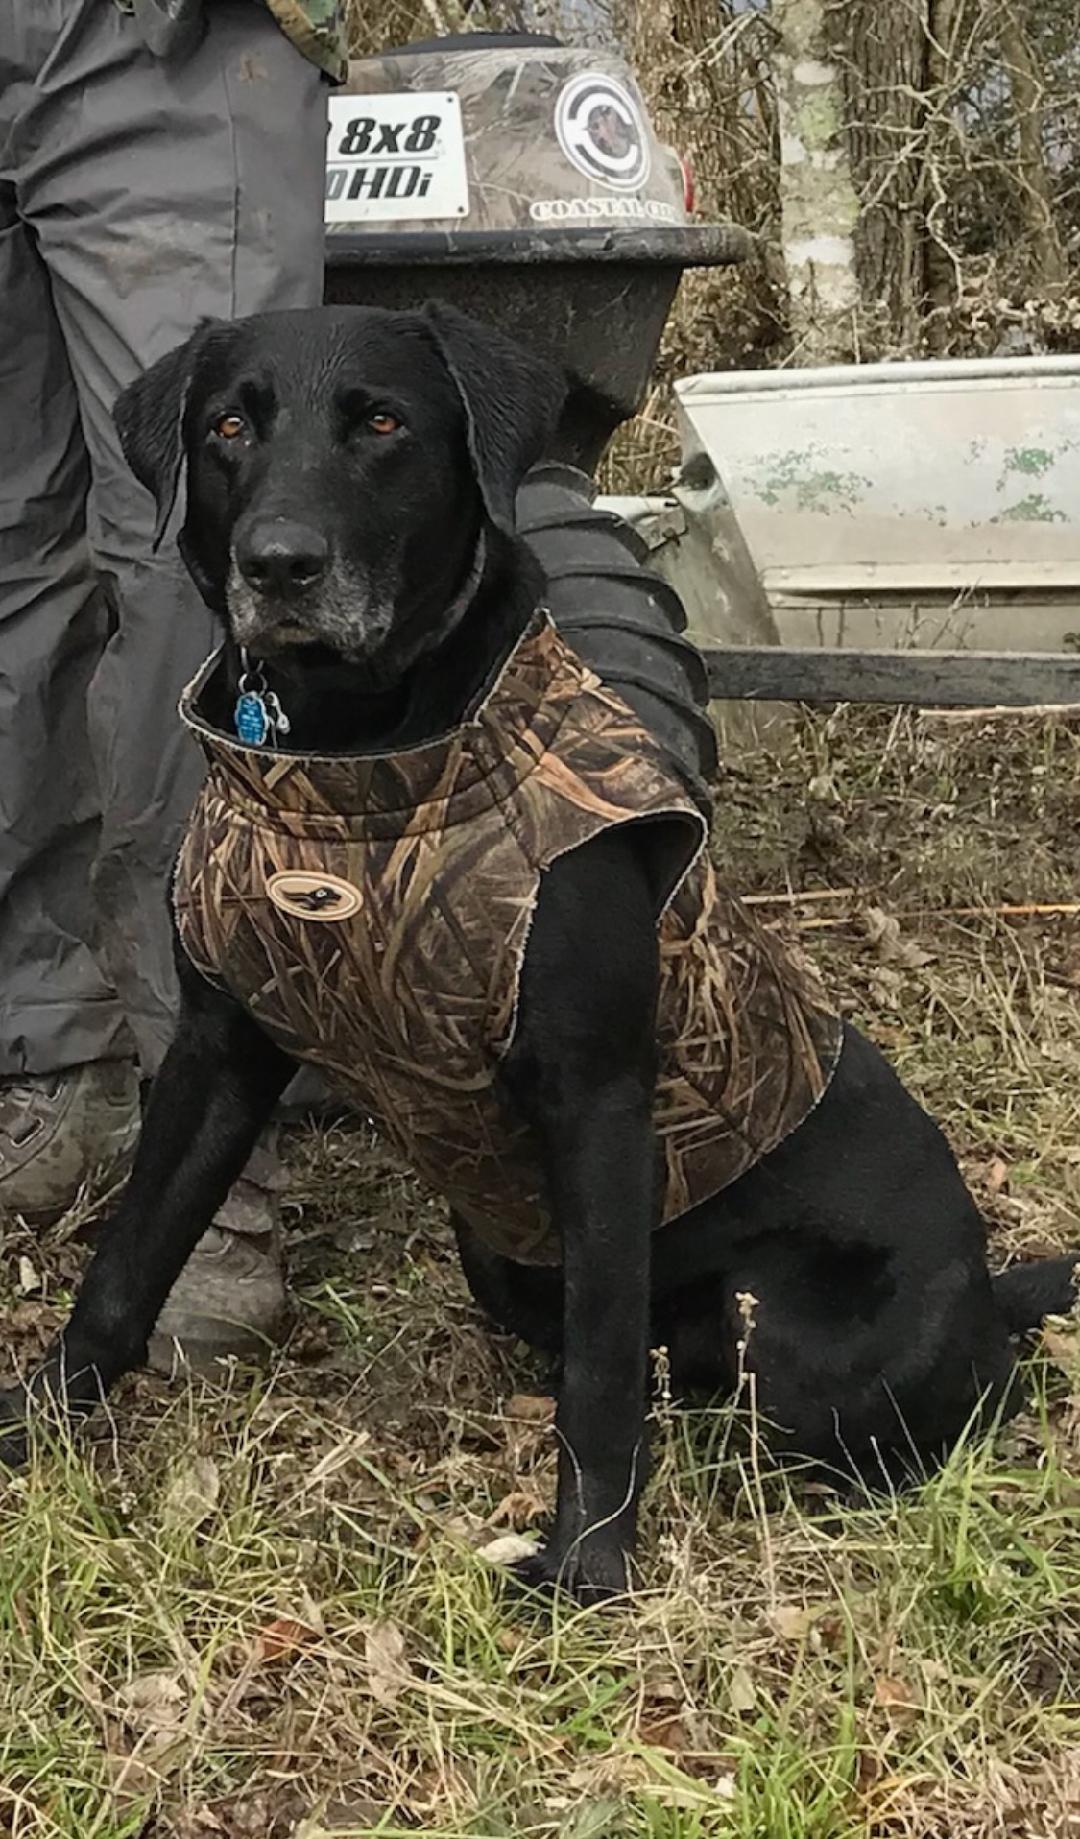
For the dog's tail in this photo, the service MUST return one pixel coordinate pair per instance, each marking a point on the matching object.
(1025, 1293)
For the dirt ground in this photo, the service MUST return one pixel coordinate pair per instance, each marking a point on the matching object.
(272, 1608)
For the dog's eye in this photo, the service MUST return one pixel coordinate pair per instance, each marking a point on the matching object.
(383, 423)
(230, 427)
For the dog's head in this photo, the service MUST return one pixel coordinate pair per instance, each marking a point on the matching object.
(341, 467)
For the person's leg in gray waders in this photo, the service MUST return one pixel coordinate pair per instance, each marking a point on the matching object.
(138, 194)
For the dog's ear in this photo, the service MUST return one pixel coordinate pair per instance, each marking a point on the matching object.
(149, 418)
(511, 400)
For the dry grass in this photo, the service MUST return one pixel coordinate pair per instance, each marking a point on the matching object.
(262, 1610)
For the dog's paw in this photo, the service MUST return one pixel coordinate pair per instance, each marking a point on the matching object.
(590, 1570)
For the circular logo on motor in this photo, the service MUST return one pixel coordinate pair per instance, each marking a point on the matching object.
(307, 896)
(602, 132)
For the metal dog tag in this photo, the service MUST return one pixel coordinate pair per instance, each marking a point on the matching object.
(279, 721)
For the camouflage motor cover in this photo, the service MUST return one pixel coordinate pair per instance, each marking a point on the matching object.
(554, 137)
(372, 914)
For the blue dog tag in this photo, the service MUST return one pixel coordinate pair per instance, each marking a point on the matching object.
(258, 716)
(251, 719)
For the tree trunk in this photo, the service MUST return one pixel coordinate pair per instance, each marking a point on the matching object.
(818, 205)
(882, 51)
(1047, 268)
(945, 21)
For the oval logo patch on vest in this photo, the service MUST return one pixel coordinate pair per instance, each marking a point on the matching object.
(304, 895)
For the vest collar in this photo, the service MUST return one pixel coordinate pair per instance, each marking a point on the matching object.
(442, 782)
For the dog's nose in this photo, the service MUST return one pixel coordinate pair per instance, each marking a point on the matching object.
(278, 556)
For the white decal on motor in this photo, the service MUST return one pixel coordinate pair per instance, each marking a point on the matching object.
(602, 132)
(603, 210)
(395, 156)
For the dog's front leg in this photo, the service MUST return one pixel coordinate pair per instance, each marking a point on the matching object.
(582, 1069)
(217, 1086)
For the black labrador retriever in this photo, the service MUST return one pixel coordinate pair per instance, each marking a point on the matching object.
(341, 466)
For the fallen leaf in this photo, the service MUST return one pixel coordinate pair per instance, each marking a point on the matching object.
(132, 1764)
(896, 1697)
(388, 1670)
(351, 1815)
(1062, 1348)
(153, 1707)
(831, 1632)
(616, 1777)
(29, 1282)
(194, 1822)
(886, 985)
(882, 929)
(529, 1409)
(508, 1549)
(251, 1816)
(997, 1175)
(663, 1730)
(517, 1509)
(823, 787)
(868, 1771)
(883, 932)
(661, 1685)
(152, 1698)
(912, 957)
(937, 1669)
(792, 1623)
(462, 1526)
(592, 1820)
(282, 1639)
(743, 1691)
(191, 1496)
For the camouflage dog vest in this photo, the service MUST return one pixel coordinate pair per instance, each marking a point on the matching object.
(371, 912)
